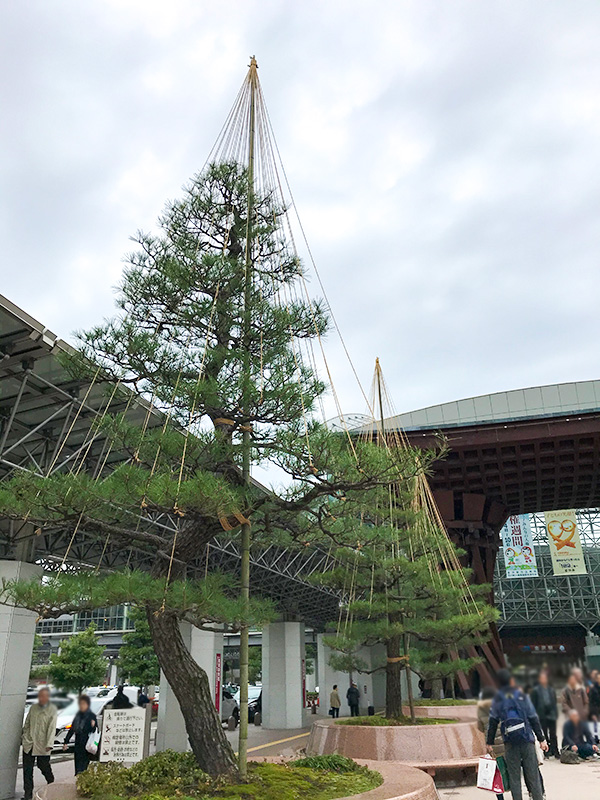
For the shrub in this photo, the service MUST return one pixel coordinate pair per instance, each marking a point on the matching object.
(331, 763)
(102, 780)
(163, 773)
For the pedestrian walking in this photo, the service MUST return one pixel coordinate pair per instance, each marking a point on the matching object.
(142, 698)
(37, 740)
(513, 711)
(543, 697)
(84, 723)
(577, 737)
(335, 702)
(574, 696)
(483, 719)
(121, 700)
(353, 698)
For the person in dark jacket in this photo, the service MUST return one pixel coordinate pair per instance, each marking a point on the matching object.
(84, 722)
(519, 752)
(142, 698)
(353, 698)
(578, 737)
(575, 696)
(121, 700)
(594, 697)
(543, 697)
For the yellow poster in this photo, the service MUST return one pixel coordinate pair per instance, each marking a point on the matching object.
(564, 542)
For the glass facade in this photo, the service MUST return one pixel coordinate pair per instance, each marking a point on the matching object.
(113, 619)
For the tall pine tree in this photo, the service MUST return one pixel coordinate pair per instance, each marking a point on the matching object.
(219, 356)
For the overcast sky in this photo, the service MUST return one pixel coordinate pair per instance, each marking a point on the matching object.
(445, 158)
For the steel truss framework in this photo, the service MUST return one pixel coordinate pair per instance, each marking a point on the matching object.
(550, 599)
(47, 426)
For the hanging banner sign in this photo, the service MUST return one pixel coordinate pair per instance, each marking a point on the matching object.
(564, 542)
(519, 554)
(218, 680)
(303, 683)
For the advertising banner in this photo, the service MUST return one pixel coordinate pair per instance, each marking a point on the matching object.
(519, 554)
(564, 542)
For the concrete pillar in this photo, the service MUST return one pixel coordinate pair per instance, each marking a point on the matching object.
(207, 652)
(17, 631)
(206, 649)
(283, 679)
(327, 677)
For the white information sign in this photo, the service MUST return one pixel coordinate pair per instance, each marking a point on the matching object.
(519, 554)
(123, 734)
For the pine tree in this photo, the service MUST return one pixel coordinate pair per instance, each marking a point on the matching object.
(182, 340)
(137, 660)
(80, 663)
(403, 591)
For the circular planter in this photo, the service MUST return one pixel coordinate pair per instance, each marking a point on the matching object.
(466, 713)
(400, 782)
(450, 750)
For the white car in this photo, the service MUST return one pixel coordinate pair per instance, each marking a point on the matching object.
(131, 692)
(229, 706)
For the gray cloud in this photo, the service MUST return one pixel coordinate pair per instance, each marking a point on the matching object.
(444, 159)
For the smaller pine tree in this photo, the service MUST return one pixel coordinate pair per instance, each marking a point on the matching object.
(137, 660)
(80, 662)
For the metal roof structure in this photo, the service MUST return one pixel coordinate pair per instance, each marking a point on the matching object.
(555, 400)
(524, 451)
(46, 423)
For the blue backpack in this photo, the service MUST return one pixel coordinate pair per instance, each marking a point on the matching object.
(514, 718)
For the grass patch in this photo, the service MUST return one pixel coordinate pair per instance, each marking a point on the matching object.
(447, 702)
(176, 776)
(383, 722)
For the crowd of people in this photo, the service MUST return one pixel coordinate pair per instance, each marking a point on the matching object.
(39, 730)
(521, 726)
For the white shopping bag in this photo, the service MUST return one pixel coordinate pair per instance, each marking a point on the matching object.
(485, 773)
(93, 742)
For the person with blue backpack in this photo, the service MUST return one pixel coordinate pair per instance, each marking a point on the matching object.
(519, 724)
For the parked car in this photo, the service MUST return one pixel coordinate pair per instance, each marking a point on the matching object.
(254, 701)
(229, 706)
(108, 692)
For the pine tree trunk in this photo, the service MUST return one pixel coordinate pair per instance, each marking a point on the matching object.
(411, 699)
(393, 678)
(436, 689)
(189, 683)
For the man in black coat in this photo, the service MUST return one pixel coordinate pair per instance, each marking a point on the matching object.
(121, 700)
(353, 698)
(543, 697)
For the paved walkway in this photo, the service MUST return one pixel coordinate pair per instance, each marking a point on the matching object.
(563, 782)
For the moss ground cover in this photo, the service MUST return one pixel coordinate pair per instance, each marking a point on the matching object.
(176, 776)
(382, 722)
